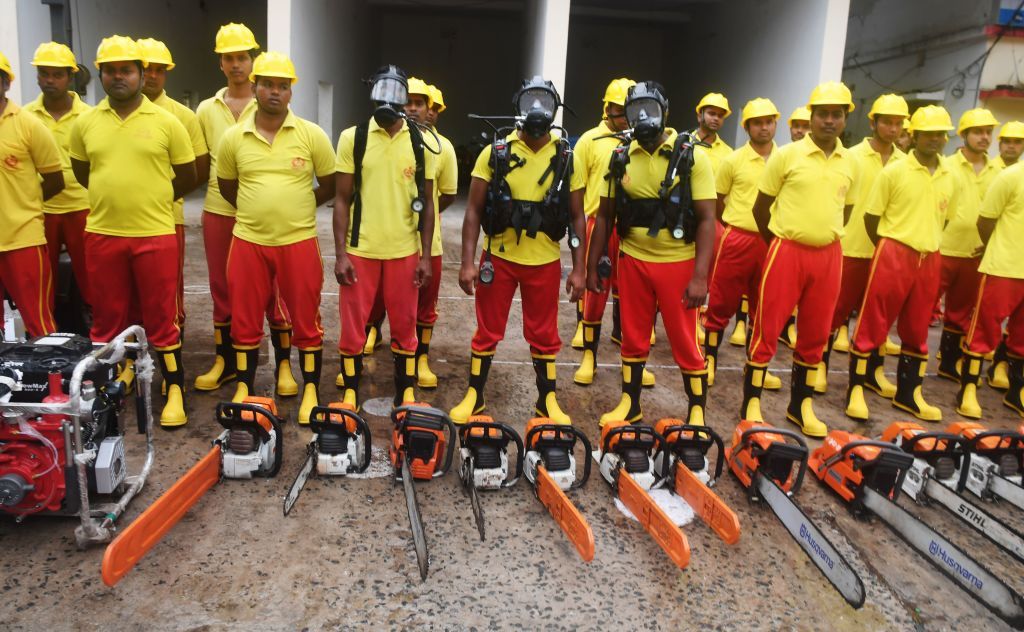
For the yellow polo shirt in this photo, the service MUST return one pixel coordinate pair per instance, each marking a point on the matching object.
(810, 190)
(914, 205)
(856, 243)
(276, 204)
(446, 182)
(642, 179)
(215, 118)
(591, 157)
(130, 190)
(74, 197)
(388, 226)
(718, 151)
(189, 119)
(737, 177)
(1004, 203)
(524, 183)
(961, 239)
(27, 149)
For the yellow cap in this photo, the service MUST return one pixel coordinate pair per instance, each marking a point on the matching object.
(715, 99)
(617, 91)
(758, 107)
(931, 118)
(55, 55)
(118, 48)
(799, 114)
(232, 38)
(831, 93)
(436, 98)
(889, 105)
(419, 86)
(978, 117)
(6, 66)
(155, 52)
(1013, 129)
(273, 64)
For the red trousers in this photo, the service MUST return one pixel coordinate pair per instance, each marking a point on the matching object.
(998, 298)
(800, 276)
(254, 271)
(594, 302)
(856, 271)
(179, 233)
(25, 274)
(426, 302)
(217, 239)
(901, 288)
(68, 230)
(959, 281)
(719, 236)
(392, 277)
(147, 264)
(646, 288)
(736, 273)
(538, 287)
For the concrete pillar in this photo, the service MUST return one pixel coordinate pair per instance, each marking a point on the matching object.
(279, 26)
(9, 37)
(833, 43)
(547, 25)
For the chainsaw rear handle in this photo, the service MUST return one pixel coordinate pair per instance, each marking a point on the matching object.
(637, 431)
(326, 418)
(229, 416)
(509, 434)
(885, 446)
(1014, 442)
(957, 446)
(432, 419)
(564, 435)
(746, 437)
(704, 444)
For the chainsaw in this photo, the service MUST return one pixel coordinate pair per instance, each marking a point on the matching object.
(772, 469)
(250, 446)
(684, 458)
(550, 466)
(483, 448)
(626, 462)
(869, 476)
(422, 446)
(939, 472)
(340, 446)
(996, 463)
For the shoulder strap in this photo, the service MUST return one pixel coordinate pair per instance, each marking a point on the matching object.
(416, 138)
(358, 150)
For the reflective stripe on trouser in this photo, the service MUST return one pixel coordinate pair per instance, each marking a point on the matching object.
(958, 281)
(217, 240)
(719, 236)
(998, 298)
(901, 288)
(594, 302)
(150, 265)
(856, 271)
(395, 278)
(805, 277)
(646, 288)
(68, 230)
(538, 287)
(179, 235)
(737, 272)
(25, 273)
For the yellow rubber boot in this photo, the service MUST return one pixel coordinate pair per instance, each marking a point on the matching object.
(584, 375)
(1014, 398)
(373, 339)
(311, 364)
(654, 336)
(473, 403)
(577, 338)
(999, 370)
(405, 378)
(891, 348)
(310, 399)
(739, 332)
(647, 379)
(967, 399)
(425, 378)
(909, 378)
(772, 382)
(821, 373)
(223, 369)
(788, 335)
(801, 401)
(696, 385)
(856, 405)
(876, 380)
(173, 414)
(753, 383)
(628, 408)
(546, 374)
(842, 343)
(282, 341)
(348, 379)
(711, 343)
(126, 376)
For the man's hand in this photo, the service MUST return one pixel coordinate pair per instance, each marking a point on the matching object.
(344, 271)
(468, 277)
(594, 282)
(421, 276)
(696, 292)
(574, 285)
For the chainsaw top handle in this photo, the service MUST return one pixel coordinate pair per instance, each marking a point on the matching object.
(231, 415)
(407, 418)
(777, 450)
(1008, 442)
(561, 436)
(944, 444)
(333, 419)
(700, 437)
(498, 434)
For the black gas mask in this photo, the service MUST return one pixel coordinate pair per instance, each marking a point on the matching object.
(389, 92)
(646, 111)
(536, 104)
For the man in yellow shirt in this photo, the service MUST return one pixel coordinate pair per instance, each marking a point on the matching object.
(712, 110)
(519, 195)
(662, 204)
(28, 151)
(58, 106)
(799, 123)
(383, 231)
(908, 206)
(802, 203)
(905, 141)
(130, 240)
(236, 48)
(1011, 144)
(1000, 293)
(266, 167)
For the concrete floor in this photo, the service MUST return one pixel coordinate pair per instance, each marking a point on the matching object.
(344, 558)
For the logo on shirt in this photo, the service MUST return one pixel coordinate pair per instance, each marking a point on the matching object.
(11, 162)
(409, 172)
(843, 191)
(943, 205)
(298, 163)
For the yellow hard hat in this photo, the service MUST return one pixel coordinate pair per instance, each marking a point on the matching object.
(889, 105)
(273, 64)
(758, 107)
(232, 38)
(715, 99)
(55, 55)
(6, 66)
(617, 90)
(118, 48)
(931, 118)
(436, 98)
(831, 93)
(155, 52)
(799, 114)
(419, 86)
(1013, 129)
(978, 117)
(906, 123)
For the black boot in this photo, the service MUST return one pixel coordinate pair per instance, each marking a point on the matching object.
(616, 336)
(285, 385)
(949, 347)
(967, 404)
(876, 380)
(473, 403)
(246, 361)
(405, 378)
(173, 414)
(373, 339)
(856, 404)
(348, 379)
(712, 339)
(311, 363)
(425, 378)
(909, 378)
(628, 408)
(753, 383)
(547, 404)
(998, 371)
(696, 385)
(1014, 397)
(584, 375)
(223, 370)
(821, 373)
(801, 400)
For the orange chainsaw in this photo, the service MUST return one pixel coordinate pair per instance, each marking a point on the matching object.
(250, 445)
(870, 475)
(550, 466)
(996, 463)
(483, 448)
(771, 463)
(626, 462)
(422, 446)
